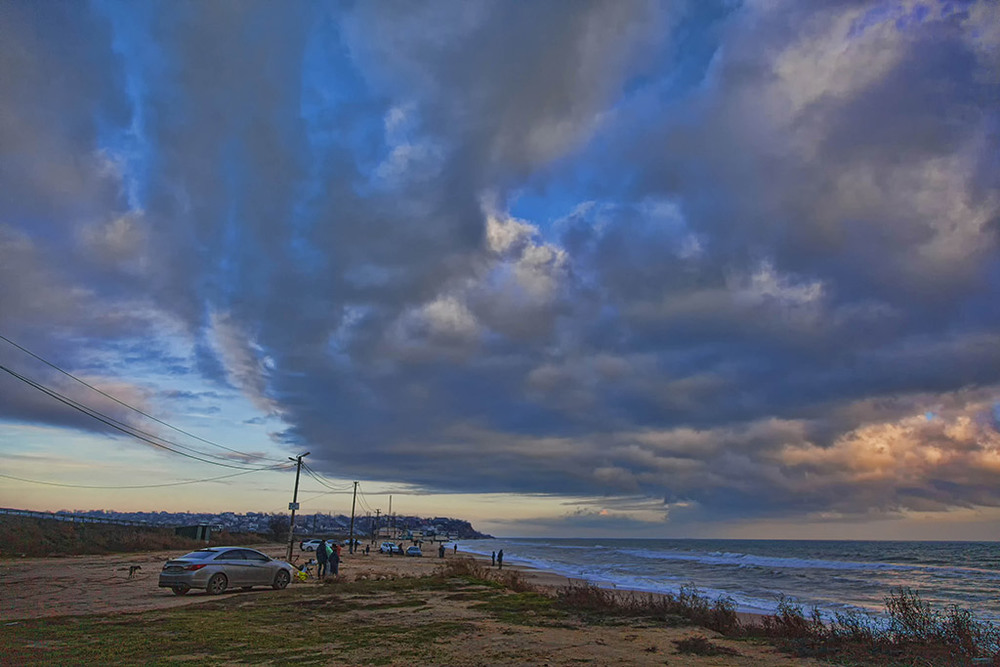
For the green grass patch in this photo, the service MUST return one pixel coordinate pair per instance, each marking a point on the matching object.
(522, 609)
(300, 625)
(264, 632)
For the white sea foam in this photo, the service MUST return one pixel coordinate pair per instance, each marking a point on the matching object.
(774, 562)
(833, 577)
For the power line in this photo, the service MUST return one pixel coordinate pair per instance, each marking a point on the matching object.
(318, 495)
(113, 423)
(322, 480)
(364, 501)
(324, 493)
(131, 407)
(153, 435)
(328, 493)
(142, 486)
(123, 427)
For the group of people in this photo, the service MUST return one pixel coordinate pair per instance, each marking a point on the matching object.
(454, 548)
(327, 559)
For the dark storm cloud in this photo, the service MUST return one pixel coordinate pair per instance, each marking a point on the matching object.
(773, 263)
(584, 524)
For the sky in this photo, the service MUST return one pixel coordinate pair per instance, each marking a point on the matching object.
(692, 268)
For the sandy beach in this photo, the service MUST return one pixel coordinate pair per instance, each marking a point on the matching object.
(83, 585)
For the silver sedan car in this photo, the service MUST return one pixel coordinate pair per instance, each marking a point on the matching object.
(217, 568)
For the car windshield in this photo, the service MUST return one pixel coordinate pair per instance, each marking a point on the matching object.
(199, 555)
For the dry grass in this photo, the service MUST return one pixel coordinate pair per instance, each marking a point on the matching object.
(470, 568)
(912, 633)
(686, 608)
(31, 537)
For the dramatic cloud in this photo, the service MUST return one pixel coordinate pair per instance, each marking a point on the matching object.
(734, 259)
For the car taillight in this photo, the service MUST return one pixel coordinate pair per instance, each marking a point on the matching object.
(196, 566)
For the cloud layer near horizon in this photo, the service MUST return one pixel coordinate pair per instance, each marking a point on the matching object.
(744, 257)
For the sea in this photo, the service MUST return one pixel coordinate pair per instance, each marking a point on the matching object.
(832, 576)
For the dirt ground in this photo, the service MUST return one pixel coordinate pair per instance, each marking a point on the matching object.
(75, 585)
(79, 585)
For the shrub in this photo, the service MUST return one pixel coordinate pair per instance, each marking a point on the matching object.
(471, 568)
(687, 606)
(911, 633)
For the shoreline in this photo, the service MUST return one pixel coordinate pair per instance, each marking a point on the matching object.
(422, 621)
(87, 584)
(553, 581)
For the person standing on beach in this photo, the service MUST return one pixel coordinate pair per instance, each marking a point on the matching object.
(441, 551)
(455, 547)
(494, 558)
(500, 559)
(321, 560)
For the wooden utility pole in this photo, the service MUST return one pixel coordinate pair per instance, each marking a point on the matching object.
(294, 505)
(350, 549)
(378, 513)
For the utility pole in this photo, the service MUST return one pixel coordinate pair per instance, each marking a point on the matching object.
(392, 519)
(375, 535)
(350, 549)
(294, 505)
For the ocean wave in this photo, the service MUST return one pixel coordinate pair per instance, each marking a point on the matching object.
(859, 582)
(734, 559)
(661, 585)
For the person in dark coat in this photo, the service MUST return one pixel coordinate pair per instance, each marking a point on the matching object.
(441, 551)
(494, 558)
(321, 559)
(500, 559)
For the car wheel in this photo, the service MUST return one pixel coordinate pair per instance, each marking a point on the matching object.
(281, 579)
(180, 589)
(217, 584)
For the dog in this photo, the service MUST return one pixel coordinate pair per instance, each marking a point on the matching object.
(132, 569)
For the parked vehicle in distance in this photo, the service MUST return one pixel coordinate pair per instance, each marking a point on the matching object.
(389, 548)
(309, 545)
(217, 568)
(414, 551)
